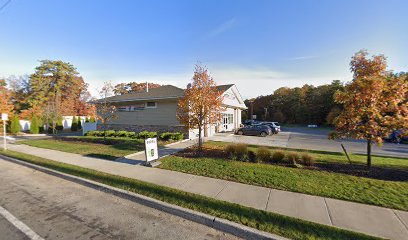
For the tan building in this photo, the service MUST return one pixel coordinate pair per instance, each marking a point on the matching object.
(155, 110)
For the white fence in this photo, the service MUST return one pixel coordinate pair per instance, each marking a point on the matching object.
(66, 122)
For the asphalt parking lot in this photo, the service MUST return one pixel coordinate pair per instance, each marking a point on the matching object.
(313, 139)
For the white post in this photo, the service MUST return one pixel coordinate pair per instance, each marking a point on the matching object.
(5, 141)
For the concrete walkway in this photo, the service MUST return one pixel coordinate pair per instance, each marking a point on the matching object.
(372, 220)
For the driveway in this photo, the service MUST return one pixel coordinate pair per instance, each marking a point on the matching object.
(313, 139)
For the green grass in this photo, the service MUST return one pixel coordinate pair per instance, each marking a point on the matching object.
(109, 152)
(262, 220)
(391, 194)
(336, 157)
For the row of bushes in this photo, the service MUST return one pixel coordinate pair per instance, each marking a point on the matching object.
(240, 152)
(176, 136)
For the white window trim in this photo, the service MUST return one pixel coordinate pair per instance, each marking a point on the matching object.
(155, 105)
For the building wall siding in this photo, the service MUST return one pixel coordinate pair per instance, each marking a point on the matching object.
(163, 114)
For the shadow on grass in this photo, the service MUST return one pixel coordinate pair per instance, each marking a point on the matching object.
(101, 156)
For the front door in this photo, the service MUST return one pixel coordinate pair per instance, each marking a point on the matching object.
(225, 121)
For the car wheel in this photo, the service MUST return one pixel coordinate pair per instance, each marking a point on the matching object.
(263, 134)
(240, 133)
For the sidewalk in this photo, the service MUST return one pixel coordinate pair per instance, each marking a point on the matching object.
(372, 220)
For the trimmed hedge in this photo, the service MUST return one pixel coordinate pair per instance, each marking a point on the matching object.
(167, 136)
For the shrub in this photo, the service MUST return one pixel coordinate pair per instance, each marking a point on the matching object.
(34, 126)
(131, 134)
(307, 159)
(252, 156)
(59, 126)
(86, 119)
(292, 157)
(263, 154)
(79, 123)
(176, 136)
(146, 134)
(92, 119)
(121, 134)
(15, 125)
(74, 125)
(237, 151)
(109, 133)
(278, 156)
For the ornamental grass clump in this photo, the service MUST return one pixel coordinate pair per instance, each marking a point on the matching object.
(263, 154)
(278, 156)
(237, 151)
(307, 159)
(292, 157)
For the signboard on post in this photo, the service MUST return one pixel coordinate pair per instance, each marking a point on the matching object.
(4, 116)
(151, 150)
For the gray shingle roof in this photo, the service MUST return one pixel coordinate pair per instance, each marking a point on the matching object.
(163, 92)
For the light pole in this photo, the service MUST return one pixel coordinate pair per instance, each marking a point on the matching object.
(4, 117)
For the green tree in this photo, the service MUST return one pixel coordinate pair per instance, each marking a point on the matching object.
(35, 125)
(79, 123)
(87, 119)
(15, 125)
(92, 119)
(60, 125)
(74, 125)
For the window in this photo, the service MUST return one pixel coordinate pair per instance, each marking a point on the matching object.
(123, 108)
(136, 107)
(228, 118)
(151, 105)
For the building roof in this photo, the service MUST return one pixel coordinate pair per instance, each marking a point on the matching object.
(163, 92)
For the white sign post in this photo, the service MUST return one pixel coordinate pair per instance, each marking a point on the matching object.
(151, 150)
(4, 117)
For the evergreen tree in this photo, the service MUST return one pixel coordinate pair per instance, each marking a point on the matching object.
(35, 125)
(86, 119)
(74, 125)
(79, 123)
(92, 119)
(15, 125)
(60, 126)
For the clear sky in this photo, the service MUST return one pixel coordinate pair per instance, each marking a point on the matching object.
(258, 45)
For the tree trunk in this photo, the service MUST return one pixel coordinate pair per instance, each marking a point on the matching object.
(369, 153)
(200, 144)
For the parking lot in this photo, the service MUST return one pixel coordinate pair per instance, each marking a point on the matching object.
(313, 139)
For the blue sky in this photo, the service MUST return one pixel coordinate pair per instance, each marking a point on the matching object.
(258, 45)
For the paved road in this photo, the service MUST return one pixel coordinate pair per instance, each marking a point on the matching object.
(314, 139)
(58, 209)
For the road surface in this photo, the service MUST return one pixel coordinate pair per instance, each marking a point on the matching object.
(54, 208)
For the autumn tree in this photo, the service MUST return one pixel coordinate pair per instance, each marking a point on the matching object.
(124, 88)
(374, 102)
(105, 111)
(6, 106)
(201, 104)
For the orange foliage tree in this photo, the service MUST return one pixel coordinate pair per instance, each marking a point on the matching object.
(374, 102)
(124, 88)
(201, 104)
(6, 106)
(105, 111)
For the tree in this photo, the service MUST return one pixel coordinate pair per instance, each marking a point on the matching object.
(6, 106)
(79, 123)
(92, 119)
(15, 125)
(35, 125)
(59, 83)
(374, 102)
(125, 88)
(74, 124)
(106, 112)
(201, 104)
(59, 125)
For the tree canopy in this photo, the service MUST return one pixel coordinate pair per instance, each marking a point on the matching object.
(124, 88)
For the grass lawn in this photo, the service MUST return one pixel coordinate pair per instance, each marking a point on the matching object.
(392, 194)
(90, 149)
(336, 157)
(266, 221)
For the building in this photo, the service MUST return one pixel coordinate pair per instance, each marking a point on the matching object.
(155, 110)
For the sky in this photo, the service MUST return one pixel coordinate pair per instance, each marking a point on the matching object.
(258, 45)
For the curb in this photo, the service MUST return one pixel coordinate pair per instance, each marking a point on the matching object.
(201, 218)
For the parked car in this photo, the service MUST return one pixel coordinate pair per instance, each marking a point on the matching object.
(256, 130)
(398, 136)
(274, 125)
(251, 122)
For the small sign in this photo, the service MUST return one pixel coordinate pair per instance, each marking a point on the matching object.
(4, 116)
(253, 116)
(151, 149)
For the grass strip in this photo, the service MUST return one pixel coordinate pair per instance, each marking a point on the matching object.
(262, 220)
